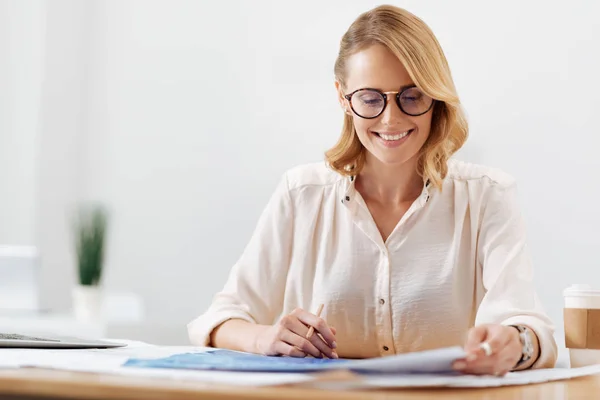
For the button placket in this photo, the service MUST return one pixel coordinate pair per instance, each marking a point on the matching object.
(426, 195)
(385, 335)
(349, 190)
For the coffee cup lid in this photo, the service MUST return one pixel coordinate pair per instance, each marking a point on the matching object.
(581, 290)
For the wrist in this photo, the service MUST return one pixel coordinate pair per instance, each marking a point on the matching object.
(255, 345)
(237, 334)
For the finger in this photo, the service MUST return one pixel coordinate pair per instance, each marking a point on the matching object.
(333, 330)
(319, 343)
(510, 355)
(316, 339)
(498, 339)
(324, 342)
(475, 337)
(318, 323)
(476, 362)
(288, 350)
(496, 369)
(301, 343)
(480, 366)
(497, 364)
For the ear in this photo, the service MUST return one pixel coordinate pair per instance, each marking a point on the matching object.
(342, 100)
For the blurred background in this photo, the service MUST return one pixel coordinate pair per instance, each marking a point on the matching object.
(180, 117)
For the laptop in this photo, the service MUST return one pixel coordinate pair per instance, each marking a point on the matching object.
(15, 340)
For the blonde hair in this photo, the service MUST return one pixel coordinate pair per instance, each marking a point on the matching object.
(415, 45)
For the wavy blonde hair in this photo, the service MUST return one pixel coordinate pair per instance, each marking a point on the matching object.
(415, 45)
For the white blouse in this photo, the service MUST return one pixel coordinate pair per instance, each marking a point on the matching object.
(456, 259)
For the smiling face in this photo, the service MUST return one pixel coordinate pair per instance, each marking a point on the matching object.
(392, 137)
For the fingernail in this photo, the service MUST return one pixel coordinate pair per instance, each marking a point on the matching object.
(333, 345)
(460, 365)
(471, 357)
(335, 355)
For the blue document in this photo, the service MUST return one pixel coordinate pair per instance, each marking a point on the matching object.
(439, 360)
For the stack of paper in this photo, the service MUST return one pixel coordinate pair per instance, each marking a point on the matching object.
(465, 381)
(439, 360)
(420, 369)
(111, 361)
(424, 369)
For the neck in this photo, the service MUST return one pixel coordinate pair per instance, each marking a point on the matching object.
(389, 184)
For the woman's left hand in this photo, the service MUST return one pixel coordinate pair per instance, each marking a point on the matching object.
(504, 350)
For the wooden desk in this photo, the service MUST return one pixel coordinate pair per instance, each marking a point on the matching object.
(44, 384)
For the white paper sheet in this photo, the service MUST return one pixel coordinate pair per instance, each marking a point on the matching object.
(438, 360)
(465, 381)
(4, 364)
(110, 361)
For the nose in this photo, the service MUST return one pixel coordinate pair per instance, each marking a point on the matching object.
(392, 113)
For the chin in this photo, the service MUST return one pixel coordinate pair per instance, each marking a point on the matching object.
(393, 160)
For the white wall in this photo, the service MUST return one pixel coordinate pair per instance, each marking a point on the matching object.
(186, 113)
(21, 72)
(62, 159)
(194, 96)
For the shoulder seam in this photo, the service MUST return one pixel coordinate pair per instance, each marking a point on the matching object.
(463, 172)
(323, 181)
(287, 192)
(484, 176)
(304, 185)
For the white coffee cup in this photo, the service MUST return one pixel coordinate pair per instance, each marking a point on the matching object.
(582, 309)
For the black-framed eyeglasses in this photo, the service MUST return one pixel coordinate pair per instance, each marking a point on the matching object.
(369, 103)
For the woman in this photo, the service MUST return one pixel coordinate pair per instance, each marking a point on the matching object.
(407, 249)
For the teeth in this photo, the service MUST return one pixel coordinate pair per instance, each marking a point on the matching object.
(394, 137)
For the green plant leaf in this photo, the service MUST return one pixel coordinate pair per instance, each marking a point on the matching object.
(90, 235)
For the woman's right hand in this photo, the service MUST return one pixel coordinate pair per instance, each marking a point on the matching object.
(288, 337)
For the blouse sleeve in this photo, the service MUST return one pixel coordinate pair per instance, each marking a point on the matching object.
(507, 273)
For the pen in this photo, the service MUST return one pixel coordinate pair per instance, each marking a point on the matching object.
(311, 330)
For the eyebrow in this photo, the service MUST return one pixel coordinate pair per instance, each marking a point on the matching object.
(405, 86)
(400, 89)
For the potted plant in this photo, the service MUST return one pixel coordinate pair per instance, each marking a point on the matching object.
(90, 239)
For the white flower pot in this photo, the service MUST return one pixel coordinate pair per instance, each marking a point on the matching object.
(87, 302)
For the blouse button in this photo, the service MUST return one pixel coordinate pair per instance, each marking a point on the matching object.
(386, 348)
(381, 301)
